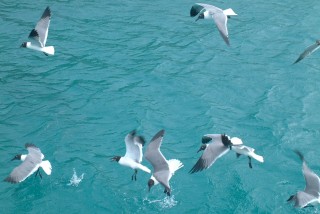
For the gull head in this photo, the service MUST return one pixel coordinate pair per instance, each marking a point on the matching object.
(116, 158)
(25, 44)
(150, 183)
(17, 157)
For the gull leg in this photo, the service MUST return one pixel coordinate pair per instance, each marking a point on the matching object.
(37, 172)
(250, 165)
(134, 176)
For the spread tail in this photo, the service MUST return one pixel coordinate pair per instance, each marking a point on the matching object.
(229, 12)
(49, 50)
(257, 157)
(144, 168)
(46, 166)
(174, 165)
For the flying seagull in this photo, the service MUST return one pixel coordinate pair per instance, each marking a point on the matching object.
(214, 146)
(310, 195)
(240, 149)
(162, 168)
(31, 163)
(219, 16)
(312, 48)
(133, 156)
(40, 34)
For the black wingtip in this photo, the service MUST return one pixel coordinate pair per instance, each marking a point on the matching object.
(10, 180)
(199, 166)
(299, 154)
(298, 60)
(206, 139)
(46, 13)
(141, 140)
(159, 134)
(133, 132)
(33, 34)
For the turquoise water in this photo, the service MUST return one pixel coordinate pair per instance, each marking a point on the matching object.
(148, 66)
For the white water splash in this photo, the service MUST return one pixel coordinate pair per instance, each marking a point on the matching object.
(165, 203)
(75, 180)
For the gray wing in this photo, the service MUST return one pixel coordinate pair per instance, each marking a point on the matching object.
(212, 9)
(312, 181)
(158, 161)
(221, 22)
(307, 52)
(213, 151)
(40, 32)
(154, 155)
(27, 167)
(303, 199)
(134, 146)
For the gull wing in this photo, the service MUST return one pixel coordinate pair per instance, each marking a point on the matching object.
(214, 150)
(134, 146)
(40, 32)
(309, 50)
(27, 167)
(221, 22)
(303, 199)
(212, 9)
(312, 181)
(159, 163)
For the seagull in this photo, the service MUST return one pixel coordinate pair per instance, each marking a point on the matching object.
(133, 156)
(240, 149)
(162, 168)
(312, 48)
(40, 34)
(310, 195)
(31, 163)
(218, 147)
(219, 16)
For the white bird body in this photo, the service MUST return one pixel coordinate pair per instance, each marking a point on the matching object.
(48, 50)
(133, 156)
(125, 161)
(248, 151)
(240, 149)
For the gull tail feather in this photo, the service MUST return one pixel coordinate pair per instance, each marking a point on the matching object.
(257, 157)
(48, 50)
(144, 168)
(229, 12)
(46, 166)
(174, 165)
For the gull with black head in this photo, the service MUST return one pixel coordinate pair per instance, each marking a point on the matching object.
(133, 156)
(40, 34)
(311, 194)
(214, 146)
(163, 169)
(219, 16)
(31, 163)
